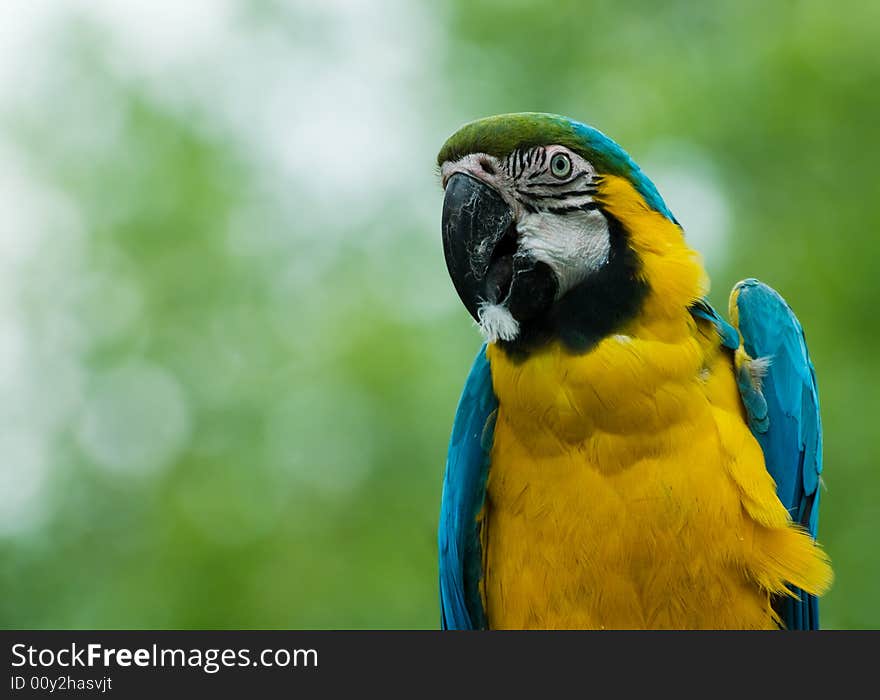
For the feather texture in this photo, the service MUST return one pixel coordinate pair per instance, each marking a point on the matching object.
(792, 436)
(464, 488)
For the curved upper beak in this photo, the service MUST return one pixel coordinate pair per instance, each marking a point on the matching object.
(476, 221)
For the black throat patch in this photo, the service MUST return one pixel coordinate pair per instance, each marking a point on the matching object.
(591, 310)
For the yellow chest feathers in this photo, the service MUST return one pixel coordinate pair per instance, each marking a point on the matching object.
(626, 491)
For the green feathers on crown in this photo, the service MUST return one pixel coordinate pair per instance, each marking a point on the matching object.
(501, 134)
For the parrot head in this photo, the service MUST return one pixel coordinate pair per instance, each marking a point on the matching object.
(534, 229)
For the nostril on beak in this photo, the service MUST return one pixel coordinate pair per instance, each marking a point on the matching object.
(487, 166)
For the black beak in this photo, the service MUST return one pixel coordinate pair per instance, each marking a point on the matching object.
(475, 222)
(480, 244)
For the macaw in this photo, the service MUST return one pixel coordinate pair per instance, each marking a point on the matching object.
(622, 456)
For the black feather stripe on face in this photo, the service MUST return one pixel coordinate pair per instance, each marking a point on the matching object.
(595, 308)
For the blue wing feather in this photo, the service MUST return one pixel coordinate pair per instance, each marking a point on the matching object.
(792, 438)
(464, 489)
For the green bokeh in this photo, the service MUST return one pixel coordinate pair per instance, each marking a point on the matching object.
(240, 372)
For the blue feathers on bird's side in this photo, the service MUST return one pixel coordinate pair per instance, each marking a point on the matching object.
(464, 489)
(792, 442)
(754, 401)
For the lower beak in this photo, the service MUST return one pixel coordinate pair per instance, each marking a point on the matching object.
(479, 241)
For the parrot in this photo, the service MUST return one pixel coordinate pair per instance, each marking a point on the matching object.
(622, 456)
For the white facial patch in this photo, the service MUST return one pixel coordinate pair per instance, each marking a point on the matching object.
(496, 322)
(573, 245)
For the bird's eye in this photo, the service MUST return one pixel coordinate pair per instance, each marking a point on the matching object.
(560, 166)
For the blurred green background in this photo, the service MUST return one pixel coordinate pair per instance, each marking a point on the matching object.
(229, 351)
